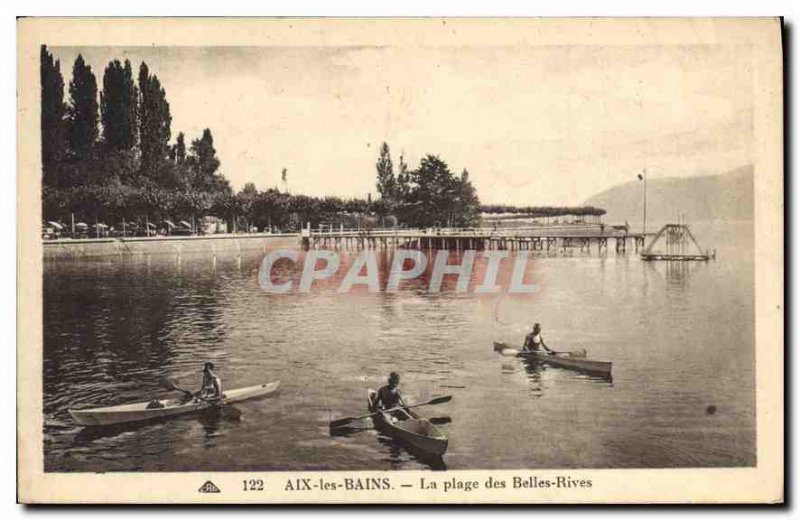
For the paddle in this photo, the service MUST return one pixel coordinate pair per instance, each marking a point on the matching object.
(436, 400)
(229, 411)
(440, 420)
(499, 346)
(166, 384)
(344, 431)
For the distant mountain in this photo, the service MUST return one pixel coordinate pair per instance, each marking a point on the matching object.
(715, 197)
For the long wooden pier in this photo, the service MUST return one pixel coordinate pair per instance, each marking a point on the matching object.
(534, 238)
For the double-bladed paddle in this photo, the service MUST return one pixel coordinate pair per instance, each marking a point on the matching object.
(229, 411)
(345, 420)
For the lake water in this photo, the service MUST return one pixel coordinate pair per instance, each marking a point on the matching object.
(680, 337)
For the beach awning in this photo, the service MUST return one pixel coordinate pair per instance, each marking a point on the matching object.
(185, 224)
(101, 225)
(81, 225)
(170, 224)
(55, 225)
(151, 225)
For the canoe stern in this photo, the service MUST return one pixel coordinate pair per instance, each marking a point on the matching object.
(136, 412)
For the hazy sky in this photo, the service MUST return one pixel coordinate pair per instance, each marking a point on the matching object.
(533, 125)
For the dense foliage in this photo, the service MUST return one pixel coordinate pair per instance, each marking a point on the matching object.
(126, 169)
(543, 211)
(52, 117)
(107, 156)
(430, 195)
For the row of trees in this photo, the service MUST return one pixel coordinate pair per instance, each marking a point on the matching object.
(543, 211)
(264, 209)
(108, 154)
(429, 195)
(273, 208)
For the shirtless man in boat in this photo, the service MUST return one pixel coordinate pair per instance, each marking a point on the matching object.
(534, 341)
(212, 384)
(389, 397)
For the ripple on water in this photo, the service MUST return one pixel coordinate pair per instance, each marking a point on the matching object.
(114, 329)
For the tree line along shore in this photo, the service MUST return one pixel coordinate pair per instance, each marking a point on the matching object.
(109, 162)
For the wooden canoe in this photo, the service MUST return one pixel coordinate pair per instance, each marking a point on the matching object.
(145, 411)
(414, 431)
(575, 361)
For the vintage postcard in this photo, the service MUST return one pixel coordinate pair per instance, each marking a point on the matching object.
(400, 261)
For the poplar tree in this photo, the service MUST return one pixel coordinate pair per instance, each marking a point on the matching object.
(467, 209)
(180, 149)
(154, 126)
(82, 119)
(204, 161)
(118, 106)
(52, 117)
(387, 184)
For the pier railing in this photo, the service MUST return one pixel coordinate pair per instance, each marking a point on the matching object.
(536, 237)
(568, 230)
(543, 237)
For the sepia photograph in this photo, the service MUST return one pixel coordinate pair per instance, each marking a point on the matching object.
(529, 247)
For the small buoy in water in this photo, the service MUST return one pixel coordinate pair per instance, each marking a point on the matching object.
(711, 410)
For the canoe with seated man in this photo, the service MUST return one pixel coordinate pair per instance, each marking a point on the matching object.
(534, 341)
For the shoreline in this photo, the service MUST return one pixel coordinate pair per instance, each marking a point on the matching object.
(117, 246)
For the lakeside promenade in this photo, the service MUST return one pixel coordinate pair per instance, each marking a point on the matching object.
(327, 237)
(221, 243)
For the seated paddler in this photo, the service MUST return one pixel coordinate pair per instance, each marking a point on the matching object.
(534, 341)
(389, 397)
(212, 384)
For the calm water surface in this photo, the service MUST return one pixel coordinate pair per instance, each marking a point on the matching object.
(680, 338)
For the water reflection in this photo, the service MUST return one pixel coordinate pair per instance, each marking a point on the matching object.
(682, 336)
(400, 452)
(542, 377)
(675, 273)
(347, 430)
(89, 434)
(534, 372)
(215, 423)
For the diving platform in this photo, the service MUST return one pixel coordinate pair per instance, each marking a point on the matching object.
(679, 245)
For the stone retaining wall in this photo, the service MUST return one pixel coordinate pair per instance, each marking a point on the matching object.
(214, 244)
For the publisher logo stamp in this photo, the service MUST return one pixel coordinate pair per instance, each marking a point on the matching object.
(209, 487)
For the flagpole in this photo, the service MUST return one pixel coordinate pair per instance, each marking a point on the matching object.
(644, 212)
